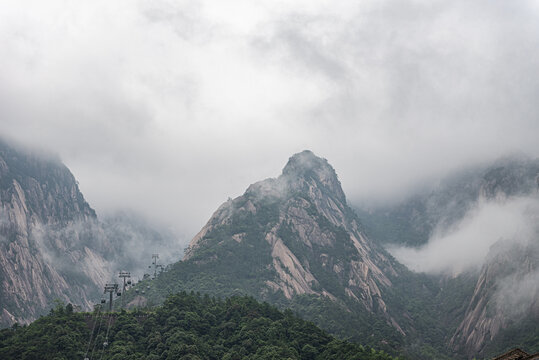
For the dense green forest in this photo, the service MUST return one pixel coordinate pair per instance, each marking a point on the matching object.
(186, 326)
(430, 309)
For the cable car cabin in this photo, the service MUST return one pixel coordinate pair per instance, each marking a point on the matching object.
(128, 282)
(118, 294)
(103, 301)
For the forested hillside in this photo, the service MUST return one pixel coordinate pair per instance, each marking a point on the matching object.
(186, 326)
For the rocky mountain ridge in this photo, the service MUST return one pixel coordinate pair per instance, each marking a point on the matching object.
(307, 196)
(52, 244)
(43, 223)
(504, 294)
(486, 321)
(294, 242)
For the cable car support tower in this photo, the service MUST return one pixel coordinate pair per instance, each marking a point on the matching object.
(110, 288)
(155, 265)
(125, 275)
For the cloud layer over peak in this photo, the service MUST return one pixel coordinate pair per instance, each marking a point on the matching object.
(169, 107)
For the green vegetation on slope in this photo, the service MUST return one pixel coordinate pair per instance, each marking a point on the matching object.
(223, 267)
(186, 326)
(523, 333)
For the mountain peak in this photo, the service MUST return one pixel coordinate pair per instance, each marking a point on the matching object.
(295, 236)
(305, 161)
(307, 168)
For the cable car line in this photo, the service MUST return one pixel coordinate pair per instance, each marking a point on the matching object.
(92, 333)
(106, 343)
(111, 289)
(95, 341)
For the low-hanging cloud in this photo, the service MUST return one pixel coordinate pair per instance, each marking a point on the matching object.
(169, 107)
(121, 242)
(465, 245)
(517, 294)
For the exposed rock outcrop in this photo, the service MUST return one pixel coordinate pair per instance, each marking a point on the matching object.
(315, 243)
(482, 317)
(47, 250)
(506, 292)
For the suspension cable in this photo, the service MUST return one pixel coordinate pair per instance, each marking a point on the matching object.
(92, 333)
(97, 333)
(106, 337)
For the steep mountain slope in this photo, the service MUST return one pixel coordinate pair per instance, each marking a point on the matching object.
(487, 325)
(506, 295)
(47, 250)
(53, 246)
(311, 233)
(293, 241)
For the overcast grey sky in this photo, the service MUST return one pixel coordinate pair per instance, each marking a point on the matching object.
(169, 107)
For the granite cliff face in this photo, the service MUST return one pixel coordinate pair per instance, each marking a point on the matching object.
(485, 320)
(48, 246)
(506, 292)
(311, 240)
